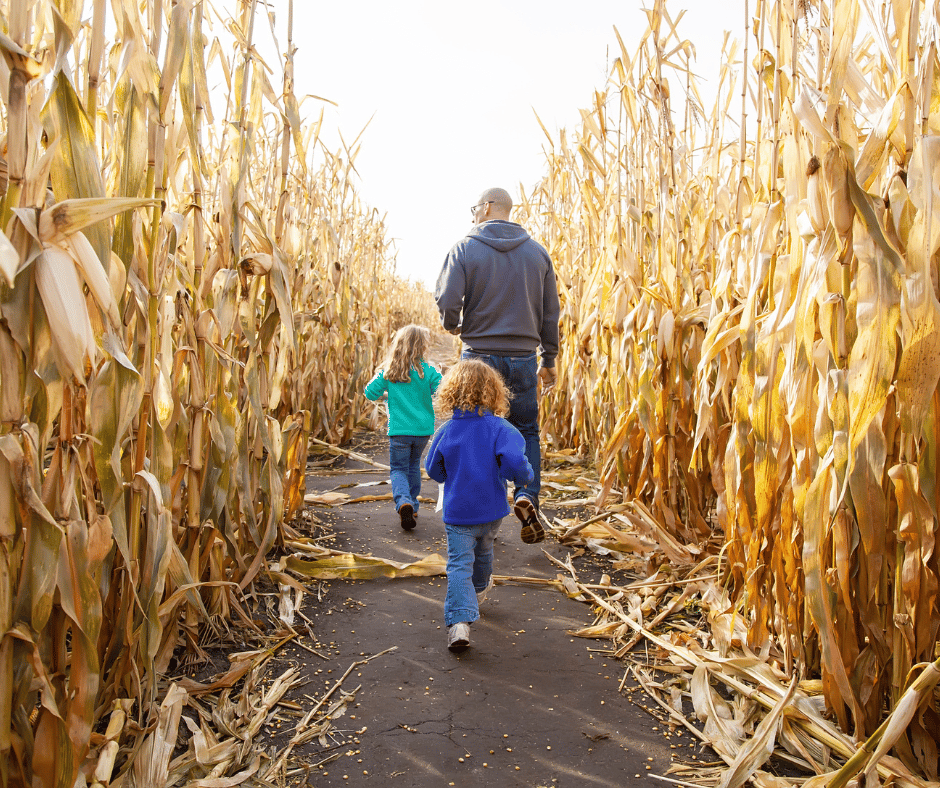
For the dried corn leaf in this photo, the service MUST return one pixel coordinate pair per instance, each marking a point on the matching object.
(363, 567)
(873, 355)
(66, 310)
(920, 692)
(9, 260)
(328, 499)
(152, 764)
(720, 726)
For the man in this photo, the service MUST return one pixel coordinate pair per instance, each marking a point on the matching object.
(497, 291)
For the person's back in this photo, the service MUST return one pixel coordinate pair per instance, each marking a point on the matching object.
(409, 383)
(479, 452)
(497, 290)
(410, 402)
(472, 456)
(503, 282)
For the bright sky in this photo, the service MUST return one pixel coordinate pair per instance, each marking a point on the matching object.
(453, 88)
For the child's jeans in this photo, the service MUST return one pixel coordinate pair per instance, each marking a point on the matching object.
(469, 566)
(404, 458)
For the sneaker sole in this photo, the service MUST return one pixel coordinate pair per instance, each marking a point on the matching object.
(407, 515)
(532, 531)
(458, 643)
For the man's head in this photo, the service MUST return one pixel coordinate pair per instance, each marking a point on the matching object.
(492, 204)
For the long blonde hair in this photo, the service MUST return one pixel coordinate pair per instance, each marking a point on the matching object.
(409, 345)
(473, 385)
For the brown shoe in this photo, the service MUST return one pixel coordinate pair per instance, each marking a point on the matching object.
(532, 531)
(407, 515)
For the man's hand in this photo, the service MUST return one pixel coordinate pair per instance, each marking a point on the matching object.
(548, 377)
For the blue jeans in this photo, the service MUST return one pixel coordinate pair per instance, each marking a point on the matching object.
(520, 374)
(469, 566)
(404, 458)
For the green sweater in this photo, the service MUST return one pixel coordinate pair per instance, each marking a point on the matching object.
(410, 411)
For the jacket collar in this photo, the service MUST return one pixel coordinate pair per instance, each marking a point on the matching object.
(469, 414)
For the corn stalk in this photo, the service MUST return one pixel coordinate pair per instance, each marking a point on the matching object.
(177, 319)
(751, 347)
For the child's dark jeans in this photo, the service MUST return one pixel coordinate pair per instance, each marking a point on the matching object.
(404, 458)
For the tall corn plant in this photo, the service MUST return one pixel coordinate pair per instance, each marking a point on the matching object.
(750, 327)
(171, 333)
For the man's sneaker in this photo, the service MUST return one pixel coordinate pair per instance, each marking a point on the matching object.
(458, 636)
(532, 530)
(407, 514)
(481, 595)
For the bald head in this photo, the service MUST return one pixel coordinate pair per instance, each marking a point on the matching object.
(493, 204)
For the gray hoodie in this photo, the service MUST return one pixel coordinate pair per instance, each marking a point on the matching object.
(504, 283)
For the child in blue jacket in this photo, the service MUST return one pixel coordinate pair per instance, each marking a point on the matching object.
(410, 383)
(473, 454)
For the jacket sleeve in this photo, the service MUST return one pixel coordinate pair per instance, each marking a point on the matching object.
(434, 463)
(548, 335)
(434, 379)
(376, 387)
(510, 454)
(449, 293)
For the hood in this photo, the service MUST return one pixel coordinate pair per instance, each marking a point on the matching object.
(501, 235)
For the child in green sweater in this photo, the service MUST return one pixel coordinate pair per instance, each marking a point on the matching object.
(410, 383)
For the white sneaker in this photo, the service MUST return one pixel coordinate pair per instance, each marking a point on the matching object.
(458, 636)
(481, 595)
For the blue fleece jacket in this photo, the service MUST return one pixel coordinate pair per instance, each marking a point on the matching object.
(410, 409)
(498, 285)
(473, 455)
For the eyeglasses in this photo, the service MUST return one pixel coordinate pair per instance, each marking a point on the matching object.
(473, 210)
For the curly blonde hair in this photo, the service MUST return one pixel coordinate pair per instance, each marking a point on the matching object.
(472, 385)
(409, 345)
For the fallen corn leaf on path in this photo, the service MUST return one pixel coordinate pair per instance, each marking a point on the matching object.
(526, 705)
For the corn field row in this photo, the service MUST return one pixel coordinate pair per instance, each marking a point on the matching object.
(190, 287)
(750, 329)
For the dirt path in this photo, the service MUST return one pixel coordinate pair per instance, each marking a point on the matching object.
(526, 705)
(445, 350)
